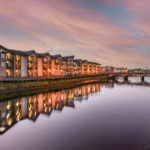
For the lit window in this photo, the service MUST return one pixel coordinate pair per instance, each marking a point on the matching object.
(2, 56)
(2, 64)
(17, 58)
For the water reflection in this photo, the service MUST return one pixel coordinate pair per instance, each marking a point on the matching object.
(113, 116)
(120, 79)
(13, 111)
(30, 107)
(133, 80)
(147, 79)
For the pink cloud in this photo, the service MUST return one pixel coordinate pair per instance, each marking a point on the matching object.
(61, 26)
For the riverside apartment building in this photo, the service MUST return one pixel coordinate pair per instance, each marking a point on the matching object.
(29, 64)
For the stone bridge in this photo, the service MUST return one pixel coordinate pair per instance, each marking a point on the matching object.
(127, 75)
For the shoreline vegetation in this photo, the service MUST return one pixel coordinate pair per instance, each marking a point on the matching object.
(19, 89)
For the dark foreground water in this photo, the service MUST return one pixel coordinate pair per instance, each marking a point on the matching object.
(91, 117)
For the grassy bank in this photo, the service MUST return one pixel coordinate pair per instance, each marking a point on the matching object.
(11, 89)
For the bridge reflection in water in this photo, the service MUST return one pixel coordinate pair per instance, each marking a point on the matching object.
(13, 111)
(139, 80)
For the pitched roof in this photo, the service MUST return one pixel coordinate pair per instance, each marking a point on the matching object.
(30, 52)
(66, 57)
(84, 61)
(19, 52)
(23, 53)
(43, 54)
(55, 56)
(2, 47)
(94, 63)
(77, 60)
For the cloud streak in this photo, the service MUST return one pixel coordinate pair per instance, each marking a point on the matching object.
(69, 27)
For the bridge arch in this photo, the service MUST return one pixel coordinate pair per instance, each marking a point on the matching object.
(126, 76)
(143, 78)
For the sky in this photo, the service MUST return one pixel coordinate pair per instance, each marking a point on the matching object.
(110, 32)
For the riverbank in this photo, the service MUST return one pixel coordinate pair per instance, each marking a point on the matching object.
(14, 89)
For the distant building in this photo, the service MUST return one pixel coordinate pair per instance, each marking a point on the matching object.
(109, 69)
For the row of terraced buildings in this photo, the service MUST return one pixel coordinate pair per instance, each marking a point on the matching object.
(23, 64)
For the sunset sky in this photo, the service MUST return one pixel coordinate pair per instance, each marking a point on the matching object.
(111, 32)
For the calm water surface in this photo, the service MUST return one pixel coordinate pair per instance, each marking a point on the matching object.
(92, 117)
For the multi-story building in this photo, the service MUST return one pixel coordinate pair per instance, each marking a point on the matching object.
(32, 64)
(117, 70)
(23, 64)
(90, 67)
(109, 69)
(56, 61)
(93, 68)
(84, 66)
(77, 66)
(44, 65)
(67, 65)
(102, 70)
(16, 63)
(98, 66)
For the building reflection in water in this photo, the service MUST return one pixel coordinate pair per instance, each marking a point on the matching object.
(31, 107)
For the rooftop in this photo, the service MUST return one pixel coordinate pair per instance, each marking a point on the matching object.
(56, 56)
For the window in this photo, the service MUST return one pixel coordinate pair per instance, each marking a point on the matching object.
(2, 56)
(30, 58)
(9, 56)
(2, 64)
(18, 58)
(56, 61)
(45, 60)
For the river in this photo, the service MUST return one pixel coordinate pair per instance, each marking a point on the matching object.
(98, 116)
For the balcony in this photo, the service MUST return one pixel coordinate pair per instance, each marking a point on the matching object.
(9, 65)
(18, 66)
(9, 73)
(9, 57)
(35, 60)
(18, 58)
(35, 66)
(45, 66)
(30, 66)
(30, 59)
(30, 73)
(18, 73)
(57, 61)
(45, 60)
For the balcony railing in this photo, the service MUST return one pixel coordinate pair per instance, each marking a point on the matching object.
(30, 59)
(45, 61)
(9, 66)
(45, 66)
(30, 66)
(9, 57)
(18, 66)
